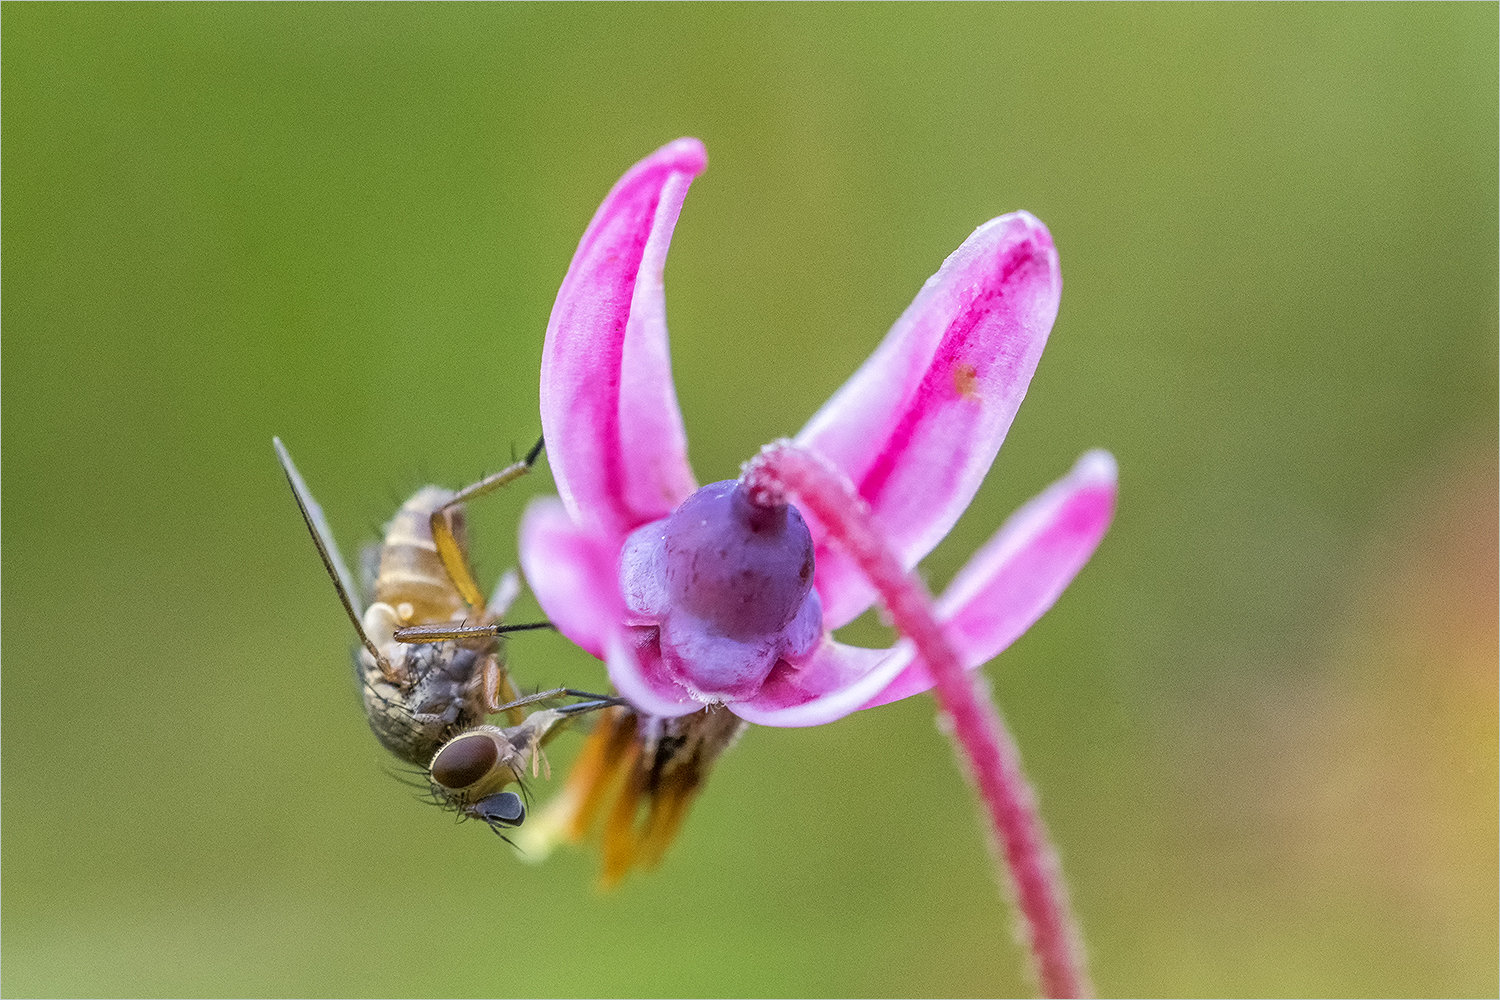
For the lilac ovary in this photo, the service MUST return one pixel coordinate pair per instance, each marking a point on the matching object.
(729, 583)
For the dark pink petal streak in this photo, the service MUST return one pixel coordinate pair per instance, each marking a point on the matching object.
(917, 427)
(614, 432)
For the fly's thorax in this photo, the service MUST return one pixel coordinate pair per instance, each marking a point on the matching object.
(433, 690)
(412, 578)
(447, 681)
(411, 737)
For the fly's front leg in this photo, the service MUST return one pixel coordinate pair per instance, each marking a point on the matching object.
(446, 535)
(592, 702)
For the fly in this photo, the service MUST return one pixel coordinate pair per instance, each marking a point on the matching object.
(427, 700)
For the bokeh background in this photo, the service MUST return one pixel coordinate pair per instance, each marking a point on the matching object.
(1262, 722)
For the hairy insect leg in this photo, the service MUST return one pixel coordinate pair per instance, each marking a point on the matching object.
(445, 534)
(498, 686)
(592, 701)
(450, 631)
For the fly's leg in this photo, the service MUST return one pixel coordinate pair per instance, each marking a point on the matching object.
(445, 535)
(451, 631)
(590, 703)
(500, 693)
(541, 726)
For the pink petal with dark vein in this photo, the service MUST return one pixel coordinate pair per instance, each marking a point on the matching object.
(917, 427)
(615, 439)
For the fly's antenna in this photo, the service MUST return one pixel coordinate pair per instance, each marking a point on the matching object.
(328, 550)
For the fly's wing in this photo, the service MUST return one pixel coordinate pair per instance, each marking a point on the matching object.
(369, 568)
(507, 589)
(322, 537)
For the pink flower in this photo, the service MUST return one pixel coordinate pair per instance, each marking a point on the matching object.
(700, 597)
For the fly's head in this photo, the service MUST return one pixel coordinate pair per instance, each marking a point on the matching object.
(470, 772)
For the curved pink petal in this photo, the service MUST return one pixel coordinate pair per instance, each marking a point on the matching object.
(635, 669)
(572, 572)
(835, 681)
(1022, 570)
(919, 424)
(614, 432)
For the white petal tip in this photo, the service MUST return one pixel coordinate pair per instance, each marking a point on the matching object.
(1098, 465)
(1006, 222)
(686, 154)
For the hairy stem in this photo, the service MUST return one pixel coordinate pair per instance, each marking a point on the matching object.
(784, 470)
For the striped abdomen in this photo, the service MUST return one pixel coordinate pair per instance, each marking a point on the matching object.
(412, 579)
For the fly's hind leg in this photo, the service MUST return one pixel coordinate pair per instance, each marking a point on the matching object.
(500, 692)
(445, 533)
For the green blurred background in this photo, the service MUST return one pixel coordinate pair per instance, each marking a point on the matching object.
(1262, 722)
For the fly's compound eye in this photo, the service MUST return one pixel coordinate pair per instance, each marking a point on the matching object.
(464, 761)
(504, 809)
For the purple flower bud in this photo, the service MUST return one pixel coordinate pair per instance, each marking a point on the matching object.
(729, 583)
(740, 568)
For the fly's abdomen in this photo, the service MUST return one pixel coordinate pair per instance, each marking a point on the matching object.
(412, 579)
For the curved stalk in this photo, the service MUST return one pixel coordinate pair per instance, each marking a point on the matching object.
(784, 470)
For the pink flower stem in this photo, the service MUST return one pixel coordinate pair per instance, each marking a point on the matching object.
(785, 470)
